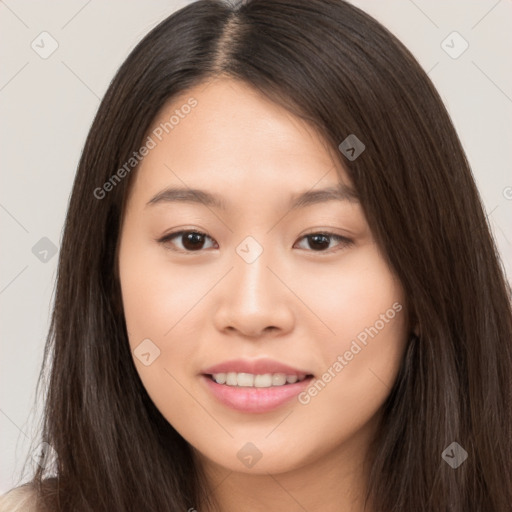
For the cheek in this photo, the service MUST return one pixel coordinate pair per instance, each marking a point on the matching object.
(365, 309)
(156, 297)
(156, 306)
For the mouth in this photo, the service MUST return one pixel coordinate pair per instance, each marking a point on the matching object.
(251, 380)
(255, 393)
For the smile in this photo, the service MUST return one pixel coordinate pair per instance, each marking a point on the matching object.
(257, 381)
(259, 395)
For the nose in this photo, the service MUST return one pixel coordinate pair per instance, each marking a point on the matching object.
(253, 299)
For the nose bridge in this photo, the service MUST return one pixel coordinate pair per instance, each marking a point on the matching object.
(254, 299)
(251, 273)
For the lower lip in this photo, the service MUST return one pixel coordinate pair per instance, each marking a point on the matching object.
(254, 400)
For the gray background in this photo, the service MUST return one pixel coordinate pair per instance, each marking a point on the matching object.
(47, 106)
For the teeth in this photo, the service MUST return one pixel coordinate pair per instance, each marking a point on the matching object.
(244, 379)
(219, 378)
(259, 381)
(263, 381)
(278, 379)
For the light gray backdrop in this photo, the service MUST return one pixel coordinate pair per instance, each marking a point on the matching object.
(57, 58)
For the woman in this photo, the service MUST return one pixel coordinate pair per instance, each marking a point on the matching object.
(277, 288)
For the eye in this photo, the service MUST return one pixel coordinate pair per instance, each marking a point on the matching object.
(319, 242)
(194, 241)
(191, 241)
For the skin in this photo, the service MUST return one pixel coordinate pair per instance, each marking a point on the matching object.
(209, 305)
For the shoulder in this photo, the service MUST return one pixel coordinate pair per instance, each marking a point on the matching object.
(19, 499)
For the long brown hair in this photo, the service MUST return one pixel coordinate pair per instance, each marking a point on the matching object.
(336, 67)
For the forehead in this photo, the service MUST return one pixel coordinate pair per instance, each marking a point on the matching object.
(235, 137)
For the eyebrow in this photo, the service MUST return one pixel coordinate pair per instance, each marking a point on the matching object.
(341, 192)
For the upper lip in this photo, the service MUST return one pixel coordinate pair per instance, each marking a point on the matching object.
(254, 366)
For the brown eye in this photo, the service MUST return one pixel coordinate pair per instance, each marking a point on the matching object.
(320, 242)
(195, 241)
(190, 241)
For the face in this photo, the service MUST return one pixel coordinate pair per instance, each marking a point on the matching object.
(264, 284)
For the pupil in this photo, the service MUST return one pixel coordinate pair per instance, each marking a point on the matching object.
(316, 239)
(191, 239)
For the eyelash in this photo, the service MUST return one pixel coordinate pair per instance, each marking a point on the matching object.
(345, 242)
